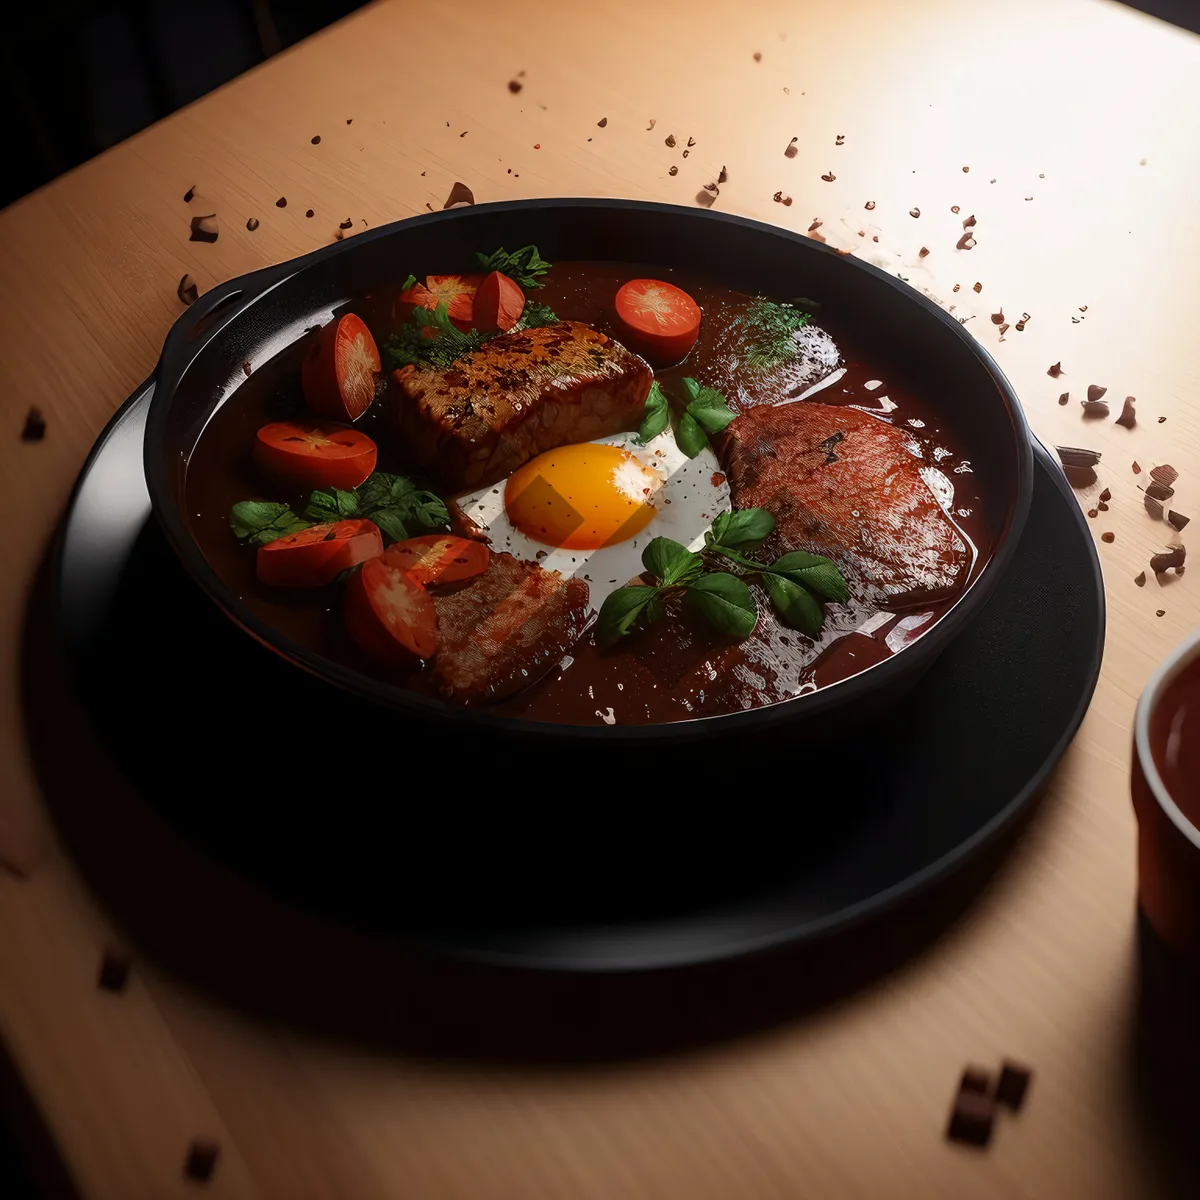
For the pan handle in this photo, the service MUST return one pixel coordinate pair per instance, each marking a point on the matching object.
(209, 314)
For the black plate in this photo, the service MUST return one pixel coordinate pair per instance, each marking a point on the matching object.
(560, 860)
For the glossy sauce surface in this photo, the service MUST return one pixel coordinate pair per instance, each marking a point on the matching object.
(1175, 740)
(679, 669)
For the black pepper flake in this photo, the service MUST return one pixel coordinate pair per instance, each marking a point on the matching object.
(187, 291)
(816, 222)
(840, 140)
(977, 287)
(954, 208)
(1003, 328)
(686, 153)
(515, 85)
(308, 212)
(914, 212)
(998, 317)
(966, 242)
(975, 1079)
(114, 970)
(653, 122)
(600, 124)
(829, 177)
(670, 140)
(869, 206)
(691, 141)
(201, 1159)
(1178, 520)
(1013, 1084)
(1108, 537)
(189, 195)
(316, 139)
(464, 133)
(1094, 408)
(1140, 579)
(35, 423)
(459, 194)
(247, 368)
(1171, 560)
(1105, 496)
(252, 224)
(1064, 398)
(1161, 420)
(1128, 417)
(965, 170)
(281, 202)
(758, 56)
(673, 171)
(924, 250)
(1095, 391)
(204, 229)
(349, 120)
(1093, 513)
(1162, 612)
(969, 222)
(790, 151)
(972, 1119)
(1073, 456)
(722, 176)
(1054, 370)
(780, 198)
(348, 223)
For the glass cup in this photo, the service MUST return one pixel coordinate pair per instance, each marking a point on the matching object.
(1168, 825)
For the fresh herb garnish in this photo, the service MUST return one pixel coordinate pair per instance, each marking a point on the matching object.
(797, 584)
(410, 282)
(260, 522)
(657, 415)
(534, 315)
(429, 338)
(394, 503)
(522, 266)
(331, 504)
(768, 331)
(705, 412)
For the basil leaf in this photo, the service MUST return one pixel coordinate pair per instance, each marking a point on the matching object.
(815, 572)
(726, 603)
(523, 266)
(260, 522)
(331, 504)
(398, 506)
(623, 609)
(657, 415)
(795, 604)
(707, 407)
(745, 527)
(391, 524)
(670, 562)
(689, 437)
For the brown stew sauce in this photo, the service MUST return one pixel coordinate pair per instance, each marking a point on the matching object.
(677, 670)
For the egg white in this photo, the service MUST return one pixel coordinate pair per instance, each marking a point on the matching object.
(686, 505)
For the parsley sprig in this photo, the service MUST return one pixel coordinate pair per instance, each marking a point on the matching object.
(797, 584)
(398, 506)
(524, 265)
(431, 339)
(768, 330)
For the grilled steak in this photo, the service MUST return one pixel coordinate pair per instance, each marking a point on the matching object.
(506, 629)
(844, 484)
(518, 395)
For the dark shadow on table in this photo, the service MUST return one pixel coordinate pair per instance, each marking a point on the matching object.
(218, 929)
(1164, 1063)
(1184, 13)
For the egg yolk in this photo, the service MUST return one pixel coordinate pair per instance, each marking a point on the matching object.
(582, 497)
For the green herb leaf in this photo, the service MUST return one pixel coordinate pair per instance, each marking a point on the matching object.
(624, 609)
(534, 315)
(795, 604)
(411, 281)
(331, 504)
(768, 331)
(399, 507)
(260, 522)
(725, 602)
(523, 266)
(410, 345)
(747, 527)
(815, 572)
(689, 437)
(670, 562)
(657, 414)
(707, 407)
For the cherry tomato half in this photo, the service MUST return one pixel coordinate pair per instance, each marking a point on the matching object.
(499, 303)
(658, 320)
(314, 456)
(439, 558)
(389, 615)
(319, 554)
(340, 369)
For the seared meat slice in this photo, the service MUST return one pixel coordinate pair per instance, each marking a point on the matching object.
(844, 484)
(518, 395)
(506, 629)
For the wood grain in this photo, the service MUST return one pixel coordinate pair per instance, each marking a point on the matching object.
(1078, 123)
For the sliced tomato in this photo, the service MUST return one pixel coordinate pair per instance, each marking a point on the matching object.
(658, 320)
(340, 370)
(417, 296)
(319, 554)
(314, 456)
(458, 291)
(439, 558)
(499, 303)
(389, 615)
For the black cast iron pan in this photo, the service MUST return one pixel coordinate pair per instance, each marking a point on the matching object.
(257, 316)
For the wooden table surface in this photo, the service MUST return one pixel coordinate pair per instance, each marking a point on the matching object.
(1071, 131)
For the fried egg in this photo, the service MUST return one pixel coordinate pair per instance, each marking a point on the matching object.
(588, 509)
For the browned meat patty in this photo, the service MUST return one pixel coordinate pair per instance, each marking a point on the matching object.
(506, 629)
(844, 484)
(518, 395)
